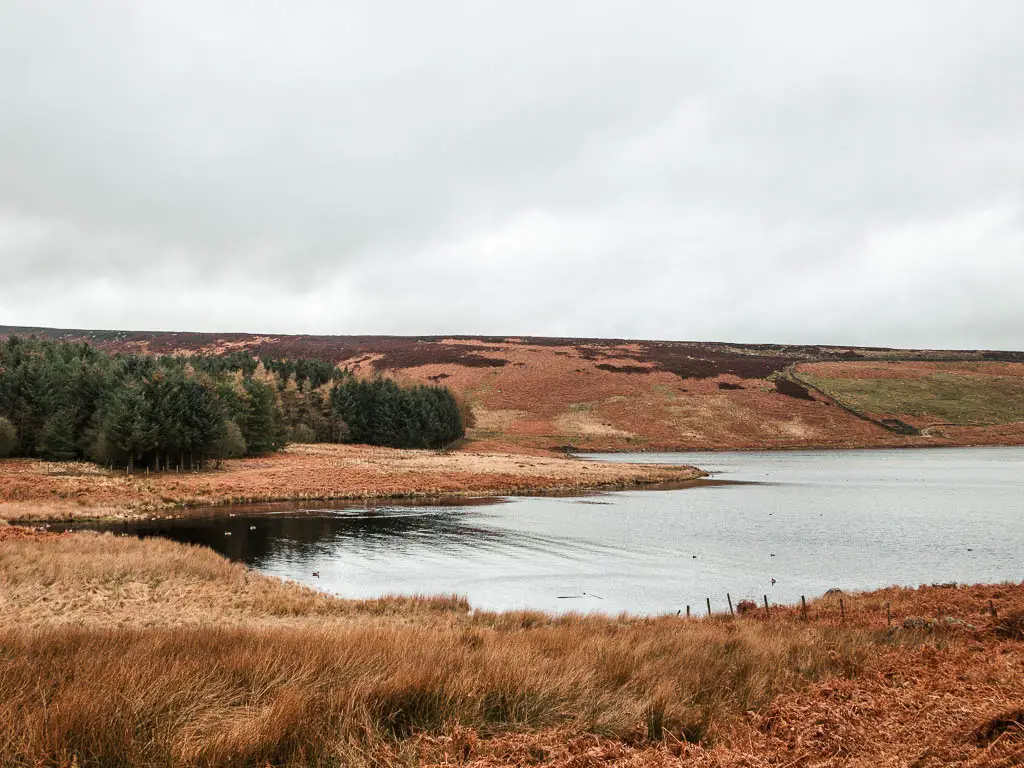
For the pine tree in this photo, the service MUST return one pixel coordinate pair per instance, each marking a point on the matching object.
(8, 437)
(129, 431)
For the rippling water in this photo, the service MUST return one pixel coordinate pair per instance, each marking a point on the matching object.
(812, 520)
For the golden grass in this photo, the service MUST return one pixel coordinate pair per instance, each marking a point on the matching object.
(116, 651)
(106, 580)
(300, 696)
(121, 651)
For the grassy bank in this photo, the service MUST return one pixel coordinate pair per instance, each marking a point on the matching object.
(116, 651)
(37, 490)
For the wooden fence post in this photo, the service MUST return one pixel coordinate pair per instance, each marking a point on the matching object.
(766, 613)
(731, 611)
(709, 606)
(803, 603)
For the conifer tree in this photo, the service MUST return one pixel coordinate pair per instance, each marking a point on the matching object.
(129, 431)
(8, 437)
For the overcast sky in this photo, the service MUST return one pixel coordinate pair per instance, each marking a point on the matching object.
(816, 172)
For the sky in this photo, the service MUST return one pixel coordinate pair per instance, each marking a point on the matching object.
(790, 172)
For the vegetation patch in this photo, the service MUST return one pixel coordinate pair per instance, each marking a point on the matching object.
(622, 368)
(786, 386)
(121, 652)
(956, 394)
(64, 401)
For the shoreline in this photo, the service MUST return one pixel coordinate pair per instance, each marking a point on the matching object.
(583, 454)
(35, 491)
(412, 498)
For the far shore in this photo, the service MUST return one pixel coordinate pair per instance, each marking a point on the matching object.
(38, 491)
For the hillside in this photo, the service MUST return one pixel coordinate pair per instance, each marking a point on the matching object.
(542, 393)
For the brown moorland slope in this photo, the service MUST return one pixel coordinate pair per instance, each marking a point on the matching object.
(118, 651)
(593, 394)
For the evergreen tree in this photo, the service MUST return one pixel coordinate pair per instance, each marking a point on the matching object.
(8, 437)
(263, 430)
(66, 401)
(58, 438)
(128, 427)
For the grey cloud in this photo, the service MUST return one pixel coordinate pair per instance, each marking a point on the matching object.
(745, 171)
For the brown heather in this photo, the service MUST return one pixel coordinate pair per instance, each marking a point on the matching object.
(120, 652)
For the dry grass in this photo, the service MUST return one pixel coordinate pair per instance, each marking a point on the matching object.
(140, 652)
(301, 696)
(105, 580)
(36, 490)
(116, 651)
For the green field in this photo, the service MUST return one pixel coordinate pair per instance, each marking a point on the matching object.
(964, 399)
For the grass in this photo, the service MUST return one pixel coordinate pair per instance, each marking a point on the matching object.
(123, 652)
(309, 696)
(36, 490)
(957, 397)
(118, 651)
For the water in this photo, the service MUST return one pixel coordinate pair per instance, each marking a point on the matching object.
(812, 520)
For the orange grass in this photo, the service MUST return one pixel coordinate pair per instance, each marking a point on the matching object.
(298, 696)
(117, 651)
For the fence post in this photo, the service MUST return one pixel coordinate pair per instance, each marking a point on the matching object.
(731, 611)
(766, 613)
(803, 603)
(687, 611)
(709, 606)
(842, 610)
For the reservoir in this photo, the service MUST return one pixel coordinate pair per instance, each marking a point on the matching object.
(810, 520)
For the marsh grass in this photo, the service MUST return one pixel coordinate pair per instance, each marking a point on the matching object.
(308, 696)
(116, 651)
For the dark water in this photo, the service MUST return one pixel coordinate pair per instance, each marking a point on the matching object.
(812, 520)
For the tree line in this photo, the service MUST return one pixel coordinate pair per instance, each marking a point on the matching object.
(67, 401)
